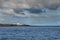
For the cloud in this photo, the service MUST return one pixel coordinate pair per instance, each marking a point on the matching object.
(25, 13)
(11, 12)
(20, 4)
(28, 3)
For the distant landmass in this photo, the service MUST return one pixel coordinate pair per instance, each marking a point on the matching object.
(13, 25)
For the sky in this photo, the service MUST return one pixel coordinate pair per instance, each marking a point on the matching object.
(28, 3)
(21, 4)
(8, 11)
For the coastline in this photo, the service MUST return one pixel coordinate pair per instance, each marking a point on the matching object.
(13, 25)
(25, 25)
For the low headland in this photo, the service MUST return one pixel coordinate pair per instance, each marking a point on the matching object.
(25, 25)
(13, 25)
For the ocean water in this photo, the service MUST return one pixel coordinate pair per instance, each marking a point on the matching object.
(30, 33)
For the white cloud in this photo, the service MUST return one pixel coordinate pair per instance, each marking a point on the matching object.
(27, 3)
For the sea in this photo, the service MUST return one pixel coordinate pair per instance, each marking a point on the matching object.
(29, 33)
(49, 18)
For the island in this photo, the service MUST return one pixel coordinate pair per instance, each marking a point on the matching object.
(13, 25)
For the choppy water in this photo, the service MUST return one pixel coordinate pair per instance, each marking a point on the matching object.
(29, 33)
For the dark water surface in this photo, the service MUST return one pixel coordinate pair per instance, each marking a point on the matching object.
(29, 33)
